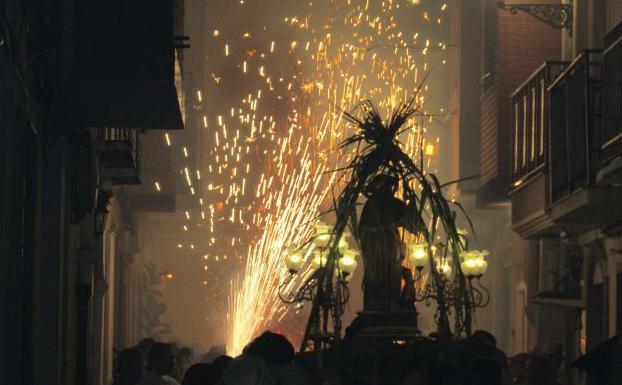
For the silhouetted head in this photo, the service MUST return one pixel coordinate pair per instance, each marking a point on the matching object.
(382, 184)
(201, 374)
(247, 369)
(145, 344)
(160, 359)
(221, 362)
(484, 338)
(274, 348)
(130, 365)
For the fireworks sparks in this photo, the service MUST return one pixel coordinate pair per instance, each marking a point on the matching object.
(272, 126)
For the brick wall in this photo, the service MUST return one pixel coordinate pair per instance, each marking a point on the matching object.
(522, 43)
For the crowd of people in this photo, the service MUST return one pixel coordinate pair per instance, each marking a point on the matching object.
(270, 359)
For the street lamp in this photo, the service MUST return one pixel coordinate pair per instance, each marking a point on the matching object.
(418, 256)
(328, 287)
(347, 264)
(474, 263)
(323, 233)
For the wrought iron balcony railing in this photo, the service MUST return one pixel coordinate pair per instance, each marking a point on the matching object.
(530, 127)
(611, 132)
(119, 154)
(575, 105)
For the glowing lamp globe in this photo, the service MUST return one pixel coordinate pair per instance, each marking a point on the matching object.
(319, 260)
(418, 255)
(482, 266)
(474, 263)
(469, 267)
(468, 255)
(348, 263)
(294, 260)
(323, 232)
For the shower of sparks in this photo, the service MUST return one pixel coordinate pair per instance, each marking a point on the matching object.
(271, 107)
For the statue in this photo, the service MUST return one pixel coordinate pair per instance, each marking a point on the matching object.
(382, 248)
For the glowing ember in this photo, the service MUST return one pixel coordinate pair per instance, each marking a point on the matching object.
(271, 108)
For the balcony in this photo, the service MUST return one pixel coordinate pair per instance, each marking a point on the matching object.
(530, 150)
(124, 69)
(611, 133)
(557, 150)
(574, 122)
(529, 133)
(119, 153)
(157, 191)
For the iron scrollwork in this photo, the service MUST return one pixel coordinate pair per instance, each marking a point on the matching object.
(556, 15)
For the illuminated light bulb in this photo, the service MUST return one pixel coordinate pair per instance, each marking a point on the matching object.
(474, 261)
(321, 240)
(323, 233)
(418, 255)
(348, 263)
(294, 260)
(469, 268)
(320, 259)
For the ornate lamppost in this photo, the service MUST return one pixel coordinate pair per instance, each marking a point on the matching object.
(314, 287)
(473, 266)
(399, 197)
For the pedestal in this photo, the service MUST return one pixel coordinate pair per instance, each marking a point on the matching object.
(383, 345)
(381, 325)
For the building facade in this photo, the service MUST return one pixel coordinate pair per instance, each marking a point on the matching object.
(79, 97)
(550, 129)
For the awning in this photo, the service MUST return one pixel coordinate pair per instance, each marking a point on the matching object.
(139, 104)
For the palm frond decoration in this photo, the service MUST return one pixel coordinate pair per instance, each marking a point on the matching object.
(377, 150)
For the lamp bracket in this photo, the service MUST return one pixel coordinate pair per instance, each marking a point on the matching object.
(556, 15)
